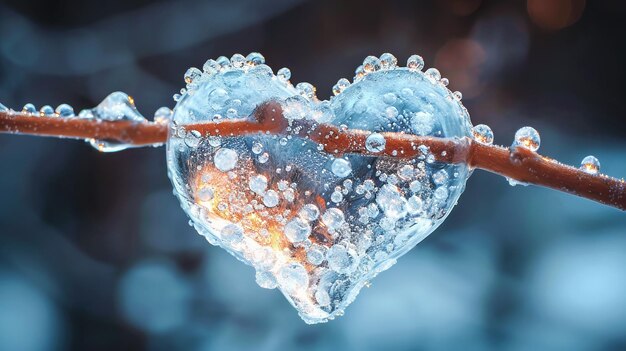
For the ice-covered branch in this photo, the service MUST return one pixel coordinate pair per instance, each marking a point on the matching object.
(518, 164)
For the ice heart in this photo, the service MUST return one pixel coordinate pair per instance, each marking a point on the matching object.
(318, 226)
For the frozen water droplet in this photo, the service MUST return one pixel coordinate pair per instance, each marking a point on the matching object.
(316, 254)
(391, 112)
(371, 64)
(388, 61)
(336, 196)
(322, 297)
(28, 108)
(46, 110)
(266, 280)
(294, 277)
(264, 157)
(527, 137)
(193, 139)
(163, 115)
(423, 123)
(483, 134)
(284, 74)
(223, 61)
(215, 141)
(341, 167)
(590, 164)
(391, 201)
(232, 233)
(255, 59)
(211, 66)
(415, 204)
(341, 85)
(118, 107)
(271, 199)
(415, 62)
(86, 114)
(258, 184)
(192, 74)
(297, 230)
(375, 142)
(307, 90)
(295, 107)
(333, 218)
(341, 260)
(257, 148)
(225, 159)
(390, 98)
(433, 74)
(206, 194)
(237, 60)
(309, 212)
(445, 82)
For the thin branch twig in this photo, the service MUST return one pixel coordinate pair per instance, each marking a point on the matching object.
(519, 164)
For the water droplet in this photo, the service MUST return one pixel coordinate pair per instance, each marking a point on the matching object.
(255, 58)
(483, 134)
(341, 167)
(375, 142)
(458, 95)
(264, 157)
(341, 260)
(118, 107)
(322, 297)
(306, 89)
(218, 98)
(388, 61)
(215, 141)
(309, 212)
(527, 137)
(223, 61)
(316, 254)
(391, 201)
(86, 114)
(590, 164)
(193, 139)
(258, 184)
(271, 199)
(28, 108)
(284, 74)
(341, 85)
(237, 60)
(266, 280)
(444, 82)
(297, 230)
(390, 98)
(423, 123)
(225, 159)
(333, 218)
(294, 277)
(206, 194)
(433, 74)
(415, 62)
(257, 148)
(46, 110)
(211, 66)
(336, 196)
(192, 74)
(371, 64)
(163, 115)
(232, 233)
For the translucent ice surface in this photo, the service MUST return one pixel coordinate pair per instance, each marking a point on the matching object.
(314, 225)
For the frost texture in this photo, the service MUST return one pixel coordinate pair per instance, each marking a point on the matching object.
(314, 226)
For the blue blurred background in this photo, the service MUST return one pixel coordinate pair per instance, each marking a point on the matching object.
(95, 253)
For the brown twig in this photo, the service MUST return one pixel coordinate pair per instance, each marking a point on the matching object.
(519, 164)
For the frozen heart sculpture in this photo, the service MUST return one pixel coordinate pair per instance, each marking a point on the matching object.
(315, 224)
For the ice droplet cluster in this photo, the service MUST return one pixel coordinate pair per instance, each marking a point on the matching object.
(316, 225)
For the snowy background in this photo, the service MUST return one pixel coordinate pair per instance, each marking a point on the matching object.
(96, 254)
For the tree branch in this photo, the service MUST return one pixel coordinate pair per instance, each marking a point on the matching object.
(519, 164)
